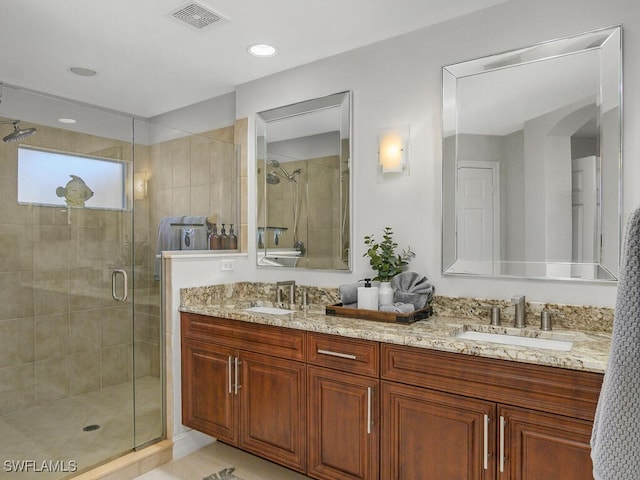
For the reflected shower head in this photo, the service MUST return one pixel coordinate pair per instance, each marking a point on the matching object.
(272, 178)
(273, 163)
(18, 133)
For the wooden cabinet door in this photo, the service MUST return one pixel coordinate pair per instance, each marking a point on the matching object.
(540, 446)
(272, 395)
(208, 402)
(429, 435)
(343, 425)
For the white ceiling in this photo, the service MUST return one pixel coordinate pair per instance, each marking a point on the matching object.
(148, 63)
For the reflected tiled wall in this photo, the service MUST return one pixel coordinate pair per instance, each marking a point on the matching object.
(319, 193)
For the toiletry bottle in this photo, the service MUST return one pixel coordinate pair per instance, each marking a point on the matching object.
(214, 239)
(224, 239)
(368, 296)
(233, 239)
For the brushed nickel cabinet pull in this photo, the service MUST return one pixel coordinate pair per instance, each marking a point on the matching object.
(502, 422)
(486, 441)
(237, 367)
(369, 409)
(337, 354)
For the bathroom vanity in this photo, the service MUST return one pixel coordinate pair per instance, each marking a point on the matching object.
(338, 398)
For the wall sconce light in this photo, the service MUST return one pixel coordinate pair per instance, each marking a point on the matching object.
(139, 186)
(393, 150)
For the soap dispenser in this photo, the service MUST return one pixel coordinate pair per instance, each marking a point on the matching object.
(233, 239)
(224, 239)
(214, 239)
(368, 296)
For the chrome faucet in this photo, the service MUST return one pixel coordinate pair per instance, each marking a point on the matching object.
(292, 291)
(519, 302)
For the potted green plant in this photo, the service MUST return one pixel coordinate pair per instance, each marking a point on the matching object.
(386, 262)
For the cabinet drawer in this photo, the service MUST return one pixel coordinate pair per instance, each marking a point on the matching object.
(349, 354)
(551, 389)
(266, 339)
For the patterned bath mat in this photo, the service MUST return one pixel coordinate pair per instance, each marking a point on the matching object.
(224, 474)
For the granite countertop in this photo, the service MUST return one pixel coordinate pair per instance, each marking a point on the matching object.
(589, 352)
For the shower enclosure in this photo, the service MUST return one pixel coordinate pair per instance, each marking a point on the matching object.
(81, 342)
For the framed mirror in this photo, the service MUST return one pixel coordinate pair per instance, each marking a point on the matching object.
(532, 161)
(304, 184)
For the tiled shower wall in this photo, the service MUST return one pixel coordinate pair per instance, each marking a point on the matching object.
(60, 332)
(198, 175)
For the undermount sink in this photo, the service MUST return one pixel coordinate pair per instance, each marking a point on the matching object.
(269, 310)
(507, 339)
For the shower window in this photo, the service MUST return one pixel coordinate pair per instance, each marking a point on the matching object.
(53, 178)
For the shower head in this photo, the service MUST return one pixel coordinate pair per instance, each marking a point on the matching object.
(272, 178)
(18, 133)
(273, 163)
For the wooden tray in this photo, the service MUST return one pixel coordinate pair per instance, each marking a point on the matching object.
(390, 317)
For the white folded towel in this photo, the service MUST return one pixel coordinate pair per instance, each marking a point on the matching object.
(615, 441)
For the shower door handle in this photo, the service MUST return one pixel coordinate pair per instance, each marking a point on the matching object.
(114, 293)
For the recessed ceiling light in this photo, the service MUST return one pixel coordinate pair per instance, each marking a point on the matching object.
(83, 72)
(67, 120)
(262, 50)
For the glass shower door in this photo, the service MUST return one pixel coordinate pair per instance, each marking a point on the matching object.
(69, 353)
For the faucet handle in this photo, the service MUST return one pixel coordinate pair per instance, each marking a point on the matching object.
(517, 299)
(520, 311)
(546, 319)
(494, 315)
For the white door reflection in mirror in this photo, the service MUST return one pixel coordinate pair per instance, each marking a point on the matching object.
(584, 206)
(478, 214)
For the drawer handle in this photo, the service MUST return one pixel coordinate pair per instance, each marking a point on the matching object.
(337, 354)
(230, 364)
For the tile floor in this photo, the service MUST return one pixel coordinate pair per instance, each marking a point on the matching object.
(54, 432)
(215, 457)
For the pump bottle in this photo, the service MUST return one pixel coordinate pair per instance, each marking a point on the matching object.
(368, 296)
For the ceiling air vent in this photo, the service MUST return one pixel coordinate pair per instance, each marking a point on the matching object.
(196, 15)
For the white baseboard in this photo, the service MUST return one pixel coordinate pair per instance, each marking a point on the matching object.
(188, 442)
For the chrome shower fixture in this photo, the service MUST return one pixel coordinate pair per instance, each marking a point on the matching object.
(272, 178)
(280, 173)
(18, 133)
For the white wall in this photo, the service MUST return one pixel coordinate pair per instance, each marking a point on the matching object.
(203, 116)
(184, 270)
(398, 82)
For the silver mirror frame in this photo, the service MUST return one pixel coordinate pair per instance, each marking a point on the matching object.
(275, 123)
(605, 268)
